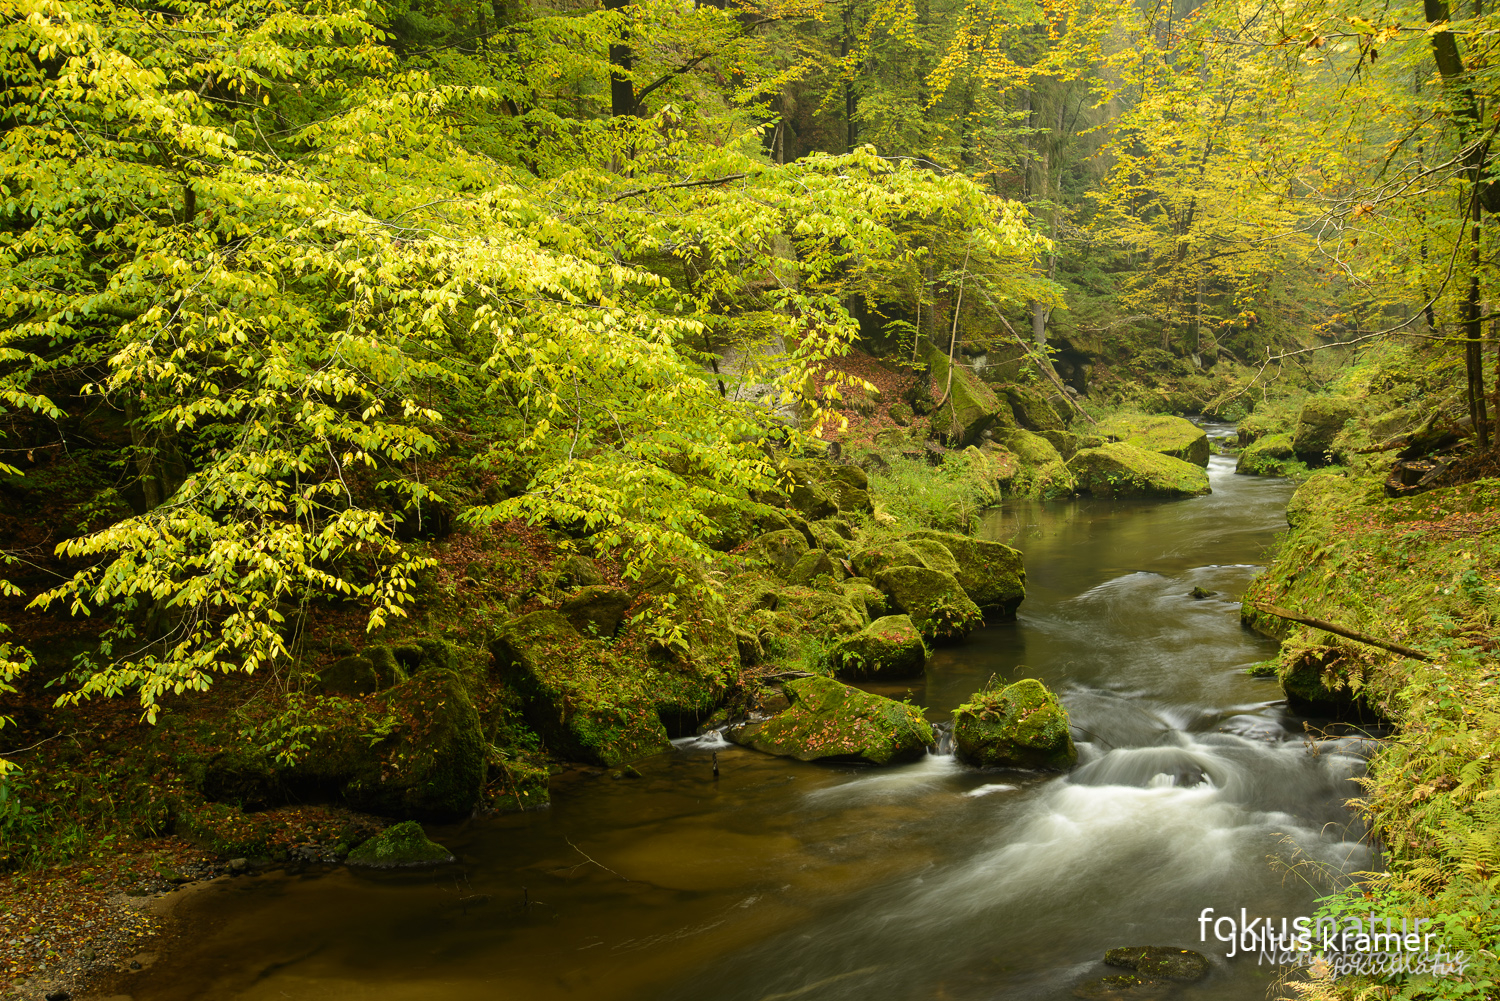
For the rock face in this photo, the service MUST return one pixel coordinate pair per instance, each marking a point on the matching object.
(889, 647)
(401, 846)
(938, 606)
(1174, 436)
(989, 572)
(1120, 470)
(1318, 423)
(829, 721)
(1021, 726)
(1267, 457)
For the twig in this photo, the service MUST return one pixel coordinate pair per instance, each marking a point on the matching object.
(590, 858)
(1040, 362)
(1345, 631)
(680, 184)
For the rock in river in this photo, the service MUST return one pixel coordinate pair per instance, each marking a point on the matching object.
(401, 846)
(829, 721)
(1021, 726)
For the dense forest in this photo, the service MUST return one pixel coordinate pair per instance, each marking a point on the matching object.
(337, 338)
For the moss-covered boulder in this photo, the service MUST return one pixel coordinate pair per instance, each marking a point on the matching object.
(421, 753)
(850, 487)
(971, 407)
(352, 675)
(1020, 726)
(1318, 423)
(990, 573)
(1066, 443)
(1031, 448)
(1272, 455)
(808, 488)
(889, 647)
(862, 593)
(815, 563)
(831, 535)
(825, 614)
(1322, 496)
(597, 610)
(1120, 470)
(829, 721)
(778, 551)
(933, 554)
(1174, 436)
(585, 701)
(938, 606)
(401, 846)
(873, 559)
(1032, 410)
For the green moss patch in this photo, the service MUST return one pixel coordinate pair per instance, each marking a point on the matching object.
(1020, 726)
(829, 721)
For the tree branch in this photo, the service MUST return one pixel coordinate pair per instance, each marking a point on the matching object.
(1345, 631)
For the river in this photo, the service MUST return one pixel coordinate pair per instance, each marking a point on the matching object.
(781, 880)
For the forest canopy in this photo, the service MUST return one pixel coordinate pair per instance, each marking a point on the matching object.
(273, 271)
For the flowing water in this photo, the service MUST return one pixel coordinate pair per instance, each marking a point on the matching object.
(781, 880)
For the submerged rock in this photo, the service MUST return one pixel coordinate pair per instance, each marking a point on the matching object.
(1159, 962)
(889, 647)
(1120, 470)
(400, 846)
(1021, 726)
(938, 606)
(829, 721)
(1166, 435)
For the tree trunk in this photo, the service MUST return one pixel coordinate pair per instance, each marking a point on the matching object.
(621, 61)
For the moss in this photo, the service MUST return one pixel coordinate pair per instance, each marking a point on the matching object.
(938, 606)
(1031, 448)
(1174, 436)
(862, 593)
(778, 551)
(349, 676)
(824, 614)
(832, 536)
(829, 721)
(1160, 963)
(870, 561)
(889, 647)
(585, 702)
(933, 554)
(1032, 409)
(1318, 424)
(813, 563)
(597, 610)
(990, 573)
(400, 846)
(1120, 470)
(1270, 456)
(971, 407)
(1021, 726)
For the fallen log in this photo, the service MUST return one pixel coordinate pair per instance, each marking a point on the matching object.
(1345, 631)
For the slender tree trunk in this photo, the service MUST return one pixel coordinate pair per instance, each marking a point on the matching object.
(851, 102)
(1473, 327)
(621, 61)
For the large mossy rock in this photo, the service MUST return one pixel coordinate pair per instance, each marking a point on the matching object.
(873, 559)
(829, 721)
(1120, 470)
(1032, 409)
(597, 610)
(971, 407)
(580, 698)
(1272, 455)
(430, 765)
(778, 551)
(862, 593)
(1318, 424)
(937, 604)
(1021, 726)
(889, 647)
(990, 573)
(826, 614)
(1031, 448)
(1174, 436)
(402, 846)
(815, 563)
